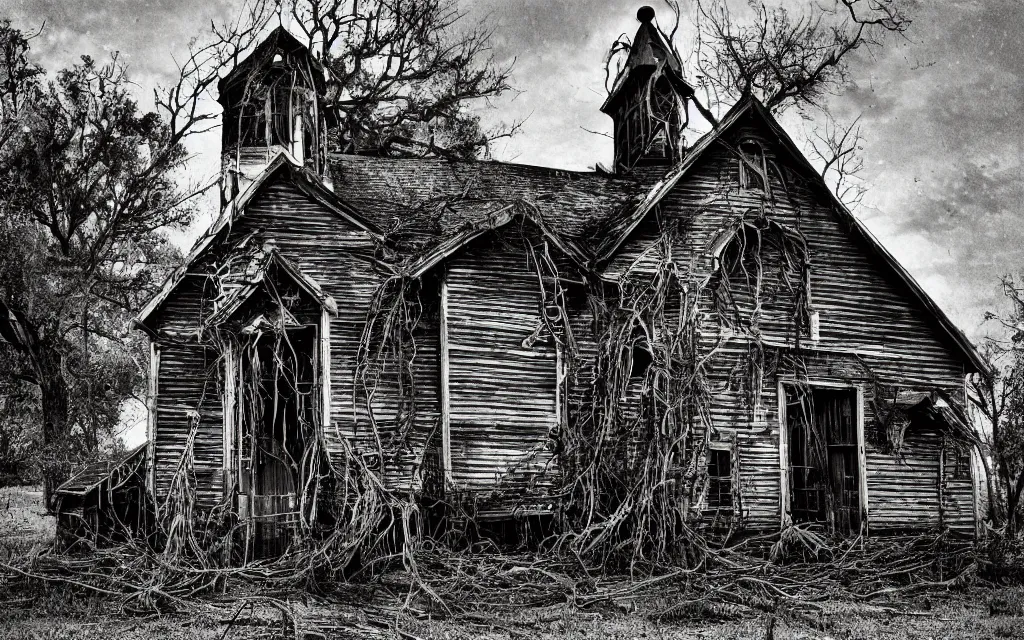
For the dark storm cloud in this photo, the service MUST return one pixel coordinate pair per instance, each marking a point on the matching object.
(944, 148)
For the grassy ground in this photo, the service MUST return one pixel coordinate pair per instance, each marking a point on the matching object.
(59, 614)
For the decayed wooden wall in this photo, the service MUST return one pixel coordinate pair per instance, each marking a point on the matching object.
(871, 330)
(333, 252)
(189, 389)
(405, 442)
(502, 395)
(502, 392)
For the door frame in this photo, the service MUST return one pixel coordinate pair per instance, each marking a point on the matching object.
(786, 518)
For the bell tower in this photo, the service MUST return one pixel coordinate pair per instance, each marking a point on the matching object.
(273, 101)
(648, 101)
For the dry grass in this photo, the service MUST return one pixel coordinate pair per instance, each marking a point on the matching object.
(57, 613)
(939, 616)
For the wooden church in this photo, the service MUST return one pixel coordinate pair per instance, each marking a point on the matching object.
(493, 336)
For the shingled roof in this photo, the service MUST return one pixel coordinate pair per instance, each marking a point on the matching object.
(417, 201)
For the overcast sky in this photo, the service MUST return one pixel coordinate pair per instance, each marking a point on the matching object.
(941, 113)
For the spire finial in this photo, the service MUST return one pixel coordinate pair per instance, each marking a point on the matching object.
(645, 14)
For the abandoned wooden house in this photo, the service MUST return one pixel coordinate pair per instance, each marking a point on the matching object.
(494, 336)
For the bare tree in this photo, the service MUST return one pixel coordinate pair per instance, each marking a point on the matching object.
(785, 58)
(838, 148)
(403, 75)
(998, 400)
(87, 182)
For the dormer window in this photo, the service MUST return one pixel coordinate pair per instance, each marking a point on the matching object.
(753, 171)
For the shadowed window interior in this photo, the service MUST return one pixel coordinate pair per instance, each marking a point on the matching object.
(752, 166)
(720, 481)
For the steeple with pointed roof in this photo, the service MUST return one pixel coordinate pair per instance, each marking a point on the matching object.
(648, 100)
(273, 102)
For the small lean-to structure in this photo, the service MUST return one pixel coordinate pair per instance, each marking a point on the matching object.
(701, 338)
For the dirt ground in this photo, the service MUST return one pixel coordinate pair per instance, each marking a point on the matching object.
(58, 614)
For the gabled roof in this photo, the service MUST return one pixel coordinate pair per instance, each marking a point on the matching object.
(500, 214)
(278, 40)
(423, 201)
(266, 262)
(282, 164)
(749, 104)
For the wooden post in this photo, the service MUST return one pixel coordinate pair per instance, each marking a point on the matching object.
(227, 466)
(942, 483)
(325, 369)
(862, 463)
(785, 519)
(446, 429)
(977, 470)
(151, 417)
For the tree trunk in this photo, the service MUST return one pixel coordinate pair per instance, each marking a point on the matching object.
(56, 462)
(56, 465)
(47, 370)
(995, 514)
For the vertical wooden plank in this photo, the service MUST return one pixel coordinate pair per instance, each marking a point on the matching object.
(325, 369)
(785, 519)
(559, 381)
(228, 463)
(941, 485)
(862, 463)
(446, 413)
(151, 415)
(977, 471)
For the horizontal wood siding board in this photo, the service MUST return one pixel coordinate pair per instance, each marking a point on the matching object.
(502, 392)
(188, 382)
(337, 255)
(872, 329)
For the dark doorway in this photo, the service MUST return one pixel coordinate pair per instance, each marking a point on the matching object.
(279, 384)
(824, 469)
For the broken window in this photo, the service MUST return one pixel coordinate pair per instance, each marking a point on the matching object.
(720, 481)
(752, 166)
(824, 469)
(248, 126)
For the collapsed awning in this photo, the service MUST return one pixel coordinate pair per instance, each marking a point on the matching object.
(112, 473)
(908, 409)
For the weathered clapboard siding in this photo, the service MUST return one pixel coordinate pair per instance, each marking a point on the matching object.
(502, 392)
(337, 255)
(189, 385)
(958, 508)
(405, 444)
(869, 320)
(904, 488)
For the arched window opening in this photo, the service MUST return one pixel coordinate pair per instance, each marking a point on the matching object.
(762, 272)
(640, 361)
